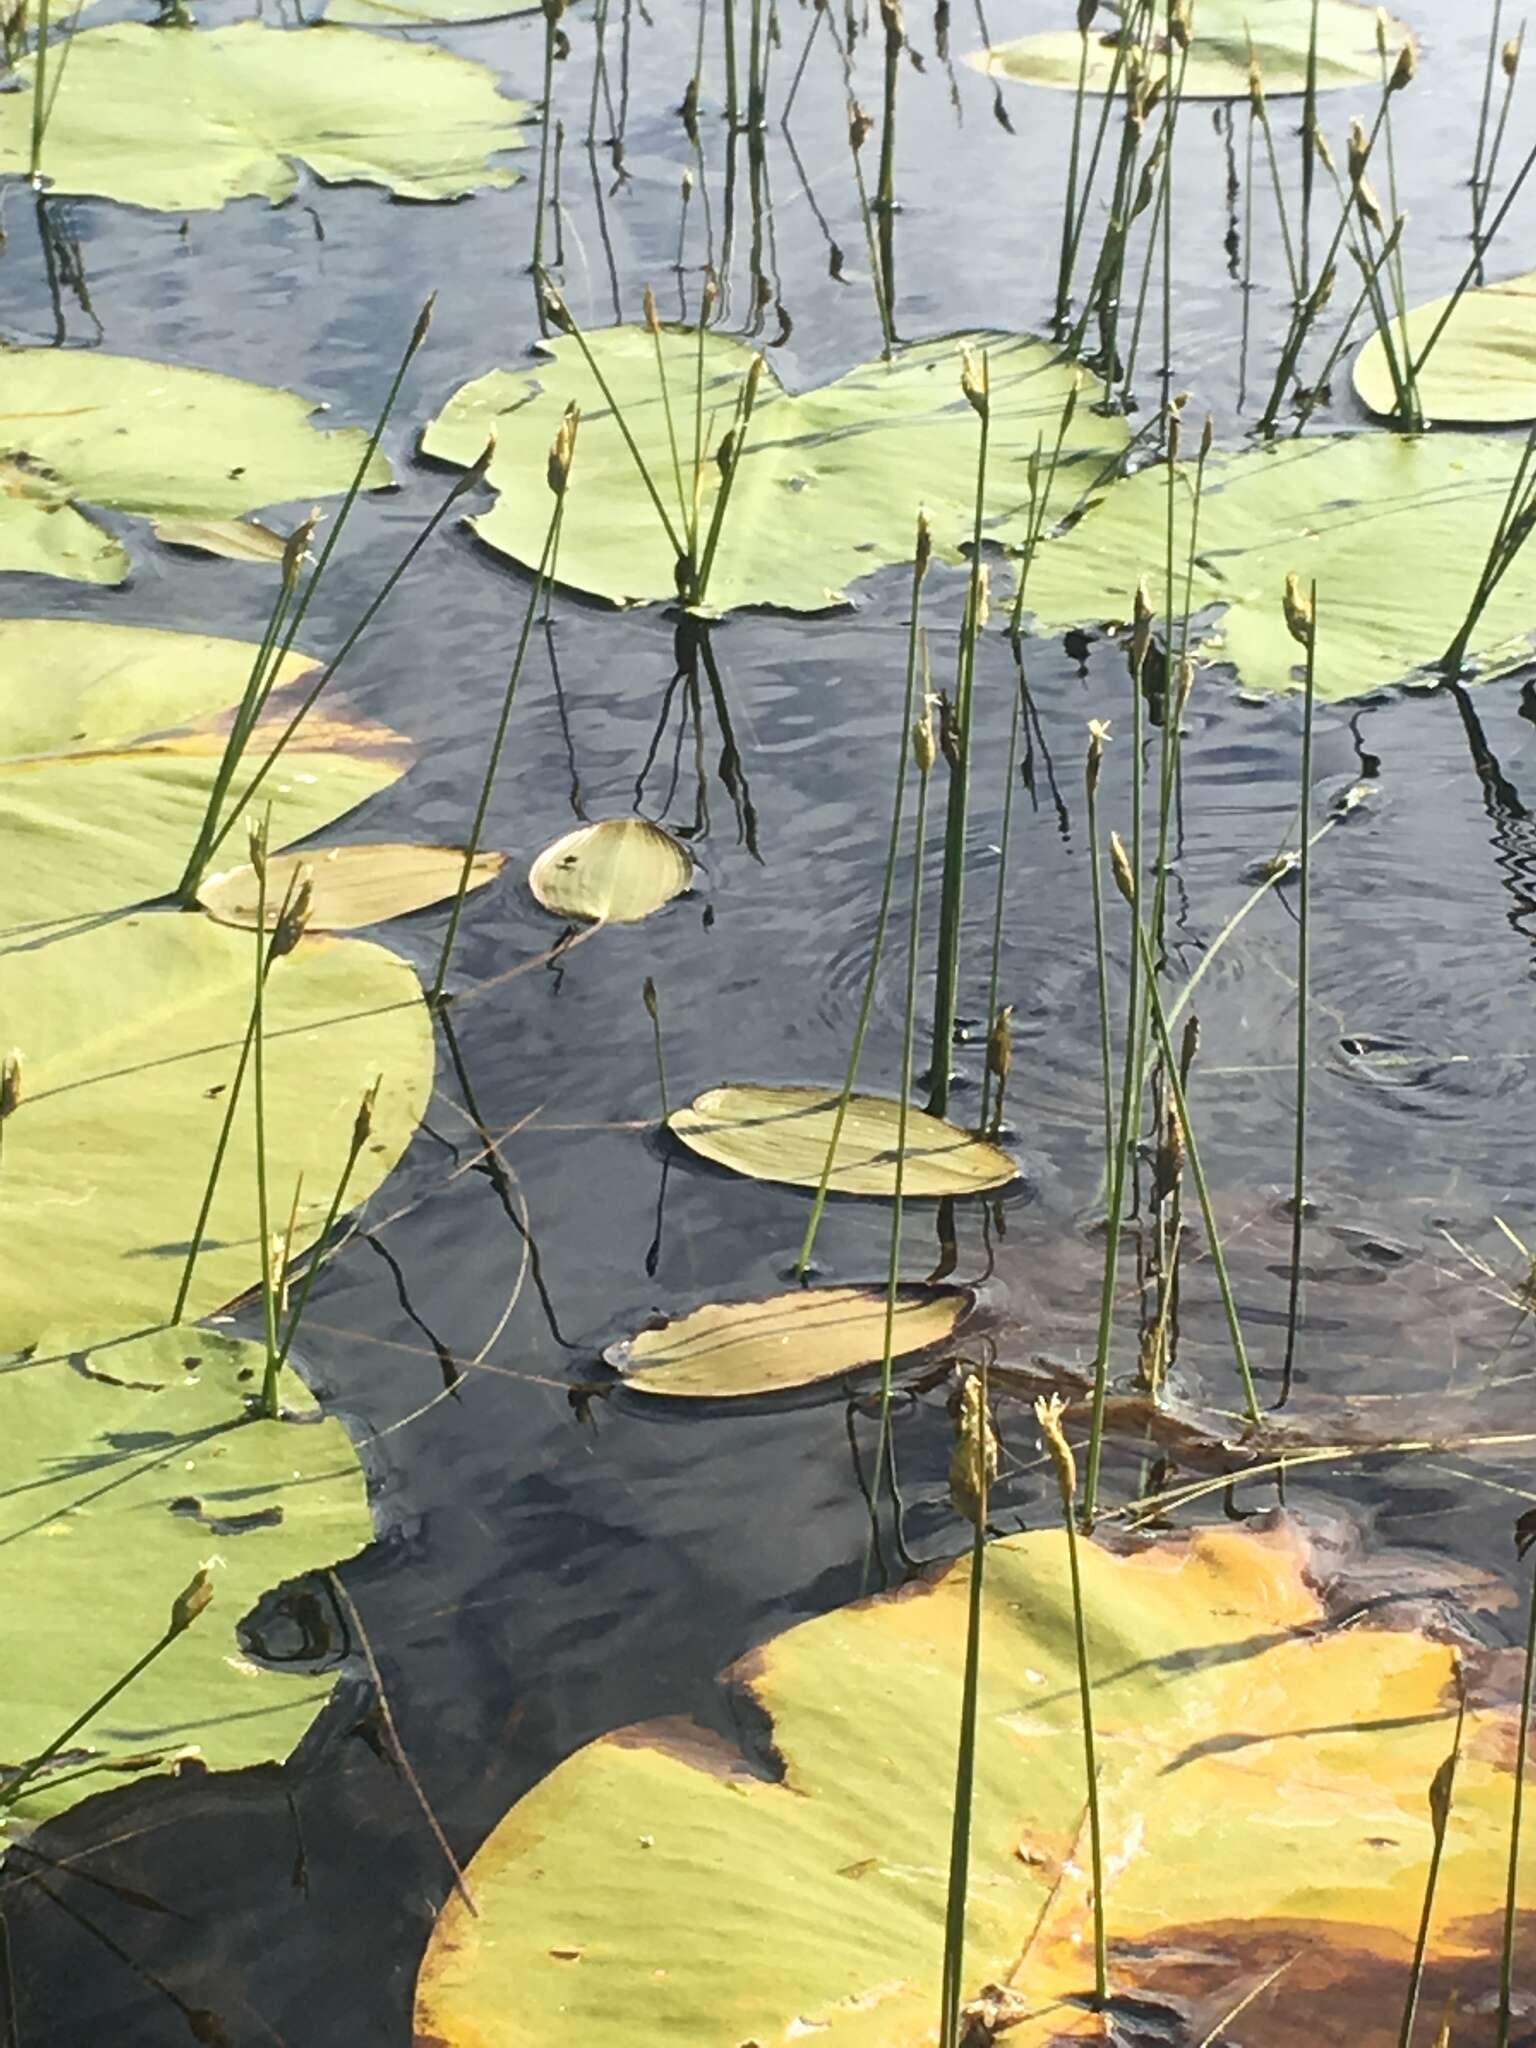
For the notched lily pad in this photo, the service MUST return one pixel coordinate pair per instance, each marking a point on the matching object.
(1395, 528)
(120, 1445)
(829, 481)
(1482, 367)
(617, 871)
(353, 885)
(1264, 1782)
(782, 1134)
(174, 119)
(733, 1348)
(1217, 67)
(81, 428)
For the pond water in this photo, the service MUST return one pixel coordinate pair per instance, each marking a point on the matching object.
(549, 1566)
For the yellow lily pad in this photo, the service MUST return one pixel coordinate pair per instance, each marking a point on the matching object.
(352, 885)
(782, 1134)
(614, 872)
(789, 1340)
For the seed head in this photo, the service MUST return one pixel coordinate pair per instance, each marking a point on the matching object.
(362, 1123)
(256, 842)
(423, 324)
(924, 554)
(859, 125)
(1098, 740)
(1404, 69)
(1000, 1043)
(924, 747)
(1120, 861)
(1086, 10)
(1048, 1413)
(1320, 144)
(1509, 56)
(1298, 611)
(10, 1083)
(476, 474)
(975, 380)
(1186, 682)
(1189, 1045)
(1207, 436)
(983, 596)
(1179, 24)
(652, 317)
(293, 918)
(556, 311)
(1141, 630)
(562, 450)
(973, 1463)
(725, 454)
(190, 1602)
(296, 549)
(1255, 87)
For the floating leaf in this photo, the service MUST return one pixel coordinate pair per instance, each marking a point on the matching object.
(782, 1134)
(790, 1340)
(233, 540)
(102, 783)
(131, 1033)
(175, 119)
(1395, 529)
(615, 872)
(828, 484)
(1482, 365)
(142, 1461)
(146, 437)
(1218, 53)
(352, 885)
(1263, 1775)
(424, 13)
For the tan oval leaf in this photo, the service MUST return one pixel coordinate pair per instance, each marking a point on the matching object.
(782, 1134)
(233, 540)
(614, 872)
(353, 885)
(737, 1348)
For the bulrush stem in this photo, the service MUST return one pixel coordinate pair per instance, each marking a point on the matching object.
(1308, 621)
(269, 1401)
(1440, 1794)
(1308, 155)
(1098, 735)
(921, 558)
(272, 654)
(1479, 183)
(39, 95)
(732, 451)
(1524, 1533)
(1516, 522)
(553, 9)
(559, 479)
(957, 751)
(1048, 1413)
(972, 1469)
(362, 1129)
(653, 1011)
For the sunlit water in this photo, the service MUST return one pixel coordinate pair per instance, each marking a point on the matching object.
(549, 1568)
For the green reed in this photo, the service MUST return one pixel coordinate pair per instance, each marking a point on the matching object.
(1130, 39)
(955, 741)
(558, 476)
(269, 1398)
(554, 48)
(972, 1470)
(288, 614)
(185, 1609)
(1098, 736)
(362, 1131)
(922, 555)
(286, 931)
(1441, 1791)
(1086, 9)
(1309, 135)
(39, 95)
(1525, 1536)
(653, 1011)
(1048, 1414)
(1516, 522)
(1258, 113)
(1509, 61)
(1301, 623)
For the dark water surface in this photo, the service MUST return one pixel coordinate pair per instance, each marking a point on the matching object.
(548, 1569)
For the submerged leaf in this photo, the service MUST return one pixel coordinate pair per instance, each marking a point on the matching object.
(142, 1462)
(1218, 52)
(79, 427)
(828, 483)
(108, 753)
(1483, 363)
(614, 872)
(132, 1034)
(1394, 528)
(352, 885)
(733, 1348)
(782, 1134)
(175, 119)
(1263, 1778)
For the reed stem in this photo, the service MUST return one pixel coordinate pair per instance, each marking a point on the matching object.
(1303, 984)
(1525, 1533)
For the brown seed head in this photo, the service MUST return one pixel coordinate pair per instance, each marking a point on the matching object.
(924, 746)
(975, 379)
(362, 1123)
(859, 125)
(1509, 56)
(296, 549)
(10, 1083)
(190, 1602)
(1320, 144)
(652, 317)
(423, 323)
(1141, 630)
(1298, 610)
(1048, 1413)
(293, 918)
(973, 1463)
(562, 450)
(924, 553)
(1404, 70)
(1179, 24)
(1000, 1043)
(1098, 740)
(1120, 862)
(1086, 10)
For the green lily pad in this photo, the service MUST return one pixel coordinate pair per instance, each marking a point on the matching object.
(733, 1348)
(359, 884)
(782, 1134)
(614, 872)
(109, 746)
(424, 13)
(1395, 529)
(179, 119)
(1218, 53)
(1481, 368)
(130, 1035)
(829, 481)
(141, 1463)
(138, 436)
(1264, 1780)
